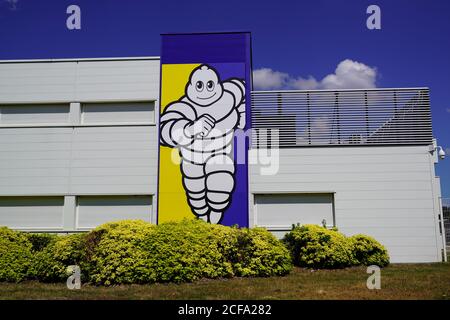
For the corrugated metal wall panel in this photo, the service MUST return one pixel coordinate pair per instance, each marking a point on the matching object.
(101, 164)
(35, 82)
(80, 160)
(384, 192)
(35, 160)
(72, 160)
(77, 81)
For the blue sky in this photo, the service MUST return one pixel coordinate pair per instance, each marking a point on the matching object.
(294, 39)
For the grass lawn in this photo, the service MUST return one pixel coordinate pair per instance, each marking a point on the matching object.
(398, 281)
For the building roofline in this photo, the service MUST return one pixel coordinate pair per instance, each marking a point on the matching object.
(80, 59)
(159, 58)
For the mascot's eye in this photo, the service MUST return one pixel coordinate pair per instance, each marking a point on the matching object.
(199, 86)
(210, 85)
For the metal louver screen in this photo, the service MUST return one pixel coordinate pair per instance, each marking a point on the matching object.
(341, 117)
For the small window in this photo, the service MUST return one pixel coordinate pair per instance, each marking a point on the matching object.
(31, 212)
(96, 210)
(34, 114)
(123, 112)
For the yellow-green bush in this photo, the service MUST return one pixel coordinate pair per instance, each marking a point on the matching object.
(15, 255)
(50, 264)
(116, 252)
(368, 251)
(256, 252)
(133, 251)
(40, 240)
(313, 246)
(194, 249)
(189, 250)
(138, 252)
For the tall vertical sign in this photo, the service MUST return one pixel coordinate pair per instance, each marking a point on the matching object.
(205, 108)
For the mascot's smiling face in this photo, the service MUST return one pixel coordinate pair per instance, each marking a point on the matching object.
(204, 87)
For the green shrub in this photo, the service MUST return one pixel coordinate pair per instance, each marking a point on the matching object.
(189, 250)
(313, 246)
(138, 252)
(193, 249)
(40, 240)
(368, 251)
(117, 254)
(51, 263)
(15, 255)
(256, 252)
(133, 251)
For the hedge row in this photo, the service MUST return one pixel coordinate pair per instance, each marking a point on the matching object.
(133, 251)
(313, 246)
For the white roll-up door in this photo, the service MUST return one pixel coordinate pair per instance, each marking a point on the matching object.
(31, 212)
(280, 211)
(93, 211)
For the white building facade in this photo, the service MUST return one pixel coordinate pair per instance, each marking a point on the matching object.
(79, 147)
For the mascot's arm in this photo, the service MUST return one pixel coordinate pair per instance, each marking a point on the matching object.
(173, 122)
(237, 88)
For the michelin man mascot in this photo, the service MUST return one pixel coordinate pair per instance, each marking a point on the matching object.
(201, 125)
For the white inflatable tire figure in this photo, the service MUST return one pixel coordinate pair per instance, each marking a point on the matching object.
(175, 117)
(194, 185)
(219, 171)
(207, 164)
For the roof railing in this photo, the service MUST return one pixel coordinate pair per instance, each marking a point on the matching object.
(301, 118)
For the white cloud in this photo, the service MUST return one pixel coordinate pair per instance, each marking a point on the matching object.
(349, 74)
(448, 110)
(266, 79)
(309, 83)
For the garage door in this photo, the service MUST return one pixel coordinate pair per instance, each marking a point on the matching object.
(93, 211)
(280, 211)
(33, 213)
